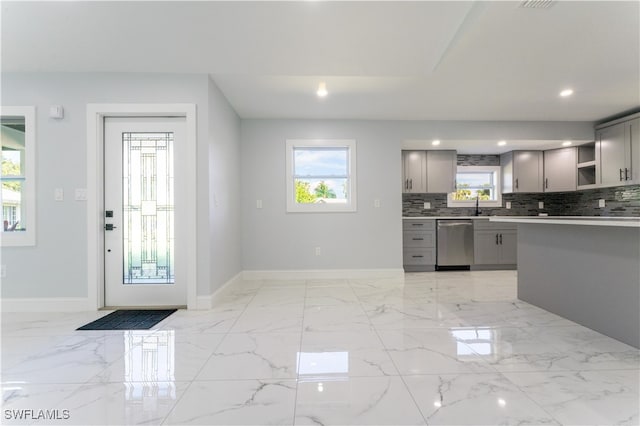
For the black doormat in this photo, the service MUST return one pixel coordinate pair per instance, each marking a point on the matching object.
(124, 319)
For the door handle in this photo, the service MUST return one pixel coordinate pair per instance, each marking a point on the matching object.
(109, 227)
(626, 174)
(621, 178)
(410, 183)
(516, 183)
(496, 239)
(546, 183)
(500, 239)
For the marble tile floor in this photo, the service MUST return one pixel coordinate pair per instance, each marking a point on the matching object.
(447, 348)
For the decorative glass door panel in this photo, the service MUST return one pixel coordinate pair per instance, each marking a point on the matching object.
(144, 207)
(148, 208)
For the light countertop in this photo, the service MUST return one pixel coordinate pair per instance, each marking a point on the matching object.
(632, 222)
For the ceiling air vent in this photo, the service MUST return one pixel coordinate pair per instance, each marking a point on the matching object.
(536, 4)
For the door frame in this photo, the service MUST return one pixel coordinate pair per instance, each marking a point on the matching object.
(96, 114)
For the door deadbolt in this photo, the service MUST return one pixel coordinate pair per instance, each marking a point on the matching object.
(109, 227)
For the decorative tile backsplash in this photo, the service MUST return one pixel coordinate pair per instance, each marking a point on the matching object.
(619, 201)
(478, 160)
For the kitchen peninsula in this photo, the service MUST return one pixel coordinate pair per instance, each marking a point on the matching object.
(586, 269)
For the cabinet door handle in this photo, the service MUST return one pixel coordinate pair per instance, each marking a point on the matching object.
(417, 224)
(410, 183)
(621, 178)
(546, 183)
(418, 239)
(496, 239)
(500, 239)
(516, 183)
(416, 256)
(626, 174)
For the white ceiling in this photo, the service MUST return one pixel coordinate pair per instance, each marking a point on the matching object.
(419, 60)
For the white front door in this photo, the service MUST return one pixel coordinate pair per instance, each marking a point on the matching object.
(144, 211)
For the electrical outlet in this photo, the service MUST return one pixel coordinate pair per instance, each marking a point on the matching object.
(258, 204)
(541, 204)
(601, 203)
(508, 204)
(376, 203)
(58, 194)
(318, 251)
(427, 205)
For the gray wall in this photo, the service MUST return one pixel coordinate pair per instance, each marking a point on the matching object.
(56, 266)
(224, 190)
(275, 240)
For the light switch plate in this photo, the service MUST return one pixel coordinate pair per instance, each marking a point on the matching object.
(541, 204)
(81, 194)
(58, 194)
(376, 203)
(508, 204)
(427, 205)
(258, 204)
(601, 203)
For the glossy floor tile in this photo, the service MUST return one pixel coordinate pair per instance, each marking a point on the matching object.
(448, 348)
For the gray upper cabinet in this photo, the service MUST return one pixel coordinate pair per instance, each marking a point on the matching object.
(441, 171)
(414, 173)
(560, 170)
(522, 171)
(612, 147)
(618, 153)
(634, 140)
(428, 171)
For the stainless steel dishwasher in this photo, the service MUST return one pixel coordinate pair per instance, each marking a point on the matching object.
(454, 244)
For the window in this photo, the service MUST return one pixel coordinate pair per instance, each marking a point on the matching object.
(321, 175)
(476, 182)
(18, 176)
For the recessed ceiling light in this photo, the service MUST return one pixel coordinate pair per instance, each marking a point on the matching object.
(435, 142)
(322, 89)
(566, 143)
(502, 143)
(566, 92)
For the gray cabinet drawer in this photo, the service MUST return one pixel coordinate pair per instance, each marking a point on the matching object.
(489, 226)
(419, 256)
(426, 239)
(419, 224)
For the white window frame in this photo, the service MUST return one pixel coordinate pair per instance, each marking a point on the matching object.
(350, 205)
(27, 237)
(471, 203)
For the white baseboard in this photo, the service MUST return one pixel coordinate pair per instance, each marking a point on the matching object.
(79, 304)
(47, 304)
(206, 302)
(323, 274)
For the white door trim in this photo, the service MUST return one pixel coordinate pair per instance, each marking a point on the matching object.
(95, 187)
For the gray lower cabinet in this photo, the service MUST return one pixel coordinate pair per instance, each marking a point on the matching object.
(419, 245)
(495, 245)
